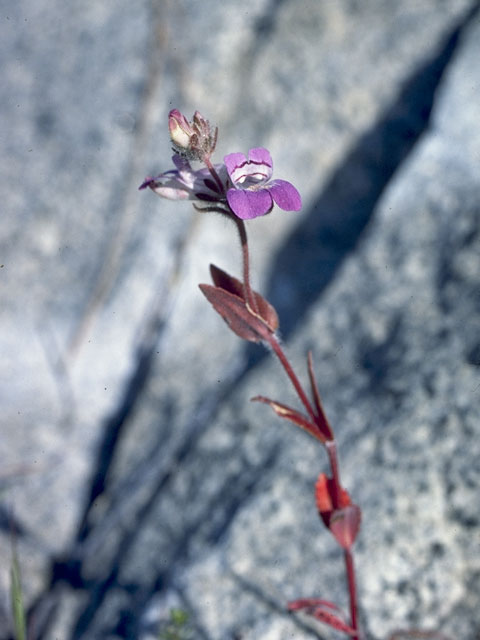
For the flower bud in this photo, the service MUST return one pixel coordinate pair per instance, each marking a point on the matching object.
(181, 132)
(194, 140)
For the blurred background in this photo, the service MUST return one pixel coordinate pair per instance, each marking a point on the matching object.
(136, 477)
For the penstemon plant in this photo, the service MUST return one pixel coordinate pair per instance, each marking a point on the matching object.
(242, 188)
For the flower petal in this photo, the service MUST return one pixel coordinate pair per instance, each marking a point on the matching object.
(260, 155)
(245, 173)
(285, 195)
(146, 183)
(249, 204)
(170, 191)
(233, 161)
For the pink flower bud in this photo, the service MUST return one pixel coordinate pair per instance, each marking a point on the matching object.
(180, 129)
(195, 140)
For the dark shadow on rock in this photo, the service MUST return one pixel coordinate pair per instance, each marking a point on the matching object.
(309, 259)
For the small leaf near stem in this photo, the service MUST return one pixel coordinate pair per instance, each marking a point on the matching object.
(293, 415)
(227, 282)
(274, 343)
(322, 422)
(237, 315)
(319, 609)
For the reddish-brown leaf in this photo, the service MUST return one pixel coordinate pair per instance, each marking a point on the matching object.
(345, 524)
(306, 603)
(293, 415)
(333, 621)
(324, 424)
(319, 610)
(227, 282)
(236, 314)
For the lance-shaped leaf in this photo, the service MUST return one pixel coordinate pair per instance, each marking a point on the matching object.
(293, 415)
(308, 603)
(319, 610)
(324, 425)
(236, 313)
(232, 285)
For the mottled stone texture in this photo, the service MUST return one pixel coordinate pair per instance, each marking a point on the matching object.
(135, 473)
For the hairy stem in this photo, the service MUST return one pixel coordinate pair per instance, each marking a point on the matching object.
(214, 173)
(247, 288)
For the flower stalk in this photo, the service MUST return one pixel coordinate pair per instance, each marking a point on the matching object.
(242, 188)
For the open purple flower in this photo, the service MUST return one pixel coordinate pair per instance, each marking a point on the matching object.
(252, 194)
(184, 183)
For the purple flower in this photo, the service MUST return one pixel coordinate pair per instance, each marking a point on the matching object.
(252, 194)
(183, 183)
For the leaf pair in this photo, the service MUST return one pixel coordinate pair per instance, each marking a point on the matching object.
(254, 320)
(339, 514)
(316, 424)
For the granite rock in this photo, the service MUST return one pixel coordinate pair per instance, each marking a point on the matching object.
(137, 476)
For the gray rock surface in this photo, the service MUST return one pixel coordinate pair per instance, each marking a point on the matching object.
(136, 474)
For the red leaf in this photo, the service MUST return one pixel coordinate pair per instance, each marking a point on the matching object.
(305, 603)
(293, 415)
(339, 514)
(345, 524)
(333, 621)
(236, 314)
(225, 281)
(323, 497)
(230, 284)
(325, 426)
(318, 609)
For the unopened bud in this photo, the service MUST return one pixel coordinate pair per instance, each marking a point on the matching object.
(195, 139)
(181, 131)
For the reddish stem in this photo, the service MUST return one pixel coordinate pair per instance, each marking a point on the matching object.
(331, 447)
(349, 566)
(214, 173)
(320, 419)
(248, 292)
(352, 591)
(273, 341)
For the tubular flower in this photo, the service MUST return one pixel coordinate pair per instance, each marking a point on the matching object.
(184, 183)
(252, 193)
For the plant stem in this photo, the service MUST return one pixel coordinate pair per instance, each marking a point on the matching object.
(273, 341)
(331, 447)
(352, 590)
(248, 292)
(214, 174)
(292, 375)
(319, 420)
